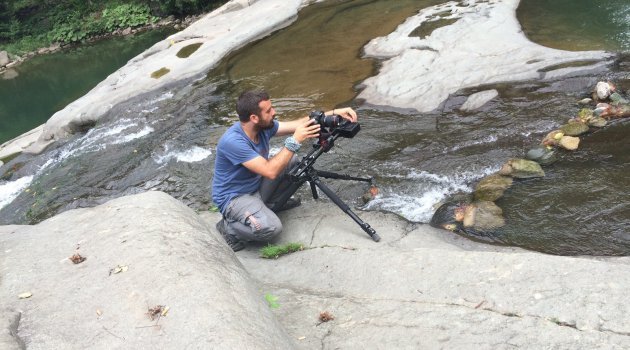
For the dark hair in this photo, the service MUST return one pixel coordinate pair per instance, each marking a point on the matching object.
(247, 103)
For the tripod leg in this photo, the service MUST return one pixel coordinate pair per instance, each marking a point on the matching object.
(313, 190)
(346, 209)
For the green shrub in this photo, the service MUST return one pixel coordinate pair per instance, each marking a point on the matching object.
(126, 15)
(275, 251)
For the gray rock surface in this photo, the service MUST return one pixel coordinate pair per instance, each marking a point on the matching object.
(173, 259)
(419, 288)
(423, 288)
(4, 58)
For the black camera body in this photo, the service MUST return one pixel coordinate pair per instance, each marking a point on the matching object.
(335, 124)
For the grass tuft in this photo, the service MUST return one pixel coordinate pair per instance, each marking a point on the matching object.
(275, 251)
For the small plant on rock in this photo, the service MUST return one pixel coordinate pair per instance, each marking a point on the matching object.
(275, 251)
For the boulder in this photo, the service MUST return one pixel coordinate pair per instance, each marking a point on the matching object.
(155, 275)
(543, 155)
(585, 114)
(492, 187)
(570, 143)
(521, 169)
(483, 216)
(574, 129)
(616, 99)
(4, 58)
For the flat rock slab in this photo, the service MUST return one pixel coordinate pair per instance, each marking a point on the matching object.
(141, 251)
(422, 288)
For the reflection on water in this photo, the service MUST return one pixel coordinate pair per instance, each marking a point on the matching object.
(577, 24)
(46, 84)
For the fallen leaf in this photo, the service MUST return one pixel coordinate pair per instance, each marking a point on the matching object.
(25, 295)
(119, 269)
(302, 338)
(99, 312)
(325, 316)
(77, 258)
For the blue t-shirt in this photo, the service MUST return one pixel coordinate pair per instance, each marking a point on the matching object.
(231, 178)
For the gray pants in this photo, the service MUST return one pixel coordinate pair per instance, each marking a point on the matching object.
(248, 216)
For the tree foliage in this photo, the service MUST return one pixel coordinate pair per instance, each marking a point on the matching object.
(26, 25)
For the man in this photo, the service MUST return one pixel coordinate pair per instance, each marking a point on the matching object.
(246, 181)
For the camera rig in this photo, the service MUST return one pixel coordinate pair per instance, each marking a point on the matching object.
(332, 127)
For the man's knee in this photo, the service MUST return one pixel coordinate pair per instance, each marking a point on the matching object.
(265, 228)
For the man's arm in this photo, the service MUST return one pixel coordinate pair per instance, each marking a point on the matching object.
(287, 128)
(303, 129)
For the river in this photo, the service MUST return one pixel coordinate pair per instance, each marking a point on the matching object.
(165, 141)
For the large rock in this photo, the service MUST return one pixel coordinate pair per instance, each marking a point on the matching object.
(4, 58)
(543, 155)
(485, 45)
(141, 251)
(522, 169)
(492, 187)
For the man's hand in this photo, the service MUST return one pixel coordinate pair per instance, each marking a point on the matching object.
(346, 113)
(306, 130)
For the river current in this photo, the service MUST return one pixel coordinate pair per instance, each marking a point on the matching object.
(165, 140)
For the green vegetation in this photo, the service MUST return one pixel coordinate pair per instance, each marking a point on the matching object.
(26, 25)
(272, 301)
(275, 251)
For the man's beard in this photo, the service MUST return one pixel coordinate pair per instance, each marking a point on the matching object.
(268, 126)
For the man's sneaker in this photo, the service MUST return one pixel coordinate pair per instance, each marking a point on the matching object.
(290, 204)
(231, 240)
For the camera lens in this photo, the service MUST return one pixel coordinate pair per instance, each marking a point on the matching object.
(326, 121)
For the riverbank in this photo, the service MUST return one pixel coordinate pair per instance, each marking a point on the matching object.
(151, 272)
(9, 61)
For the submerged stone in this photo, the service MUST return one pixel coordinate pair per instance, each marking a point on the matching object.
(597, 122)
(426, 28)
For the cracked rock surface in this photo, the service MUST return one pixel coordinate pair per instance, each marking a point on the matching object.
(422, 288)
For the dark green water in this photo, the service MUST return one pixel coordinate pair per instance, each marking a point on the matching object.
(577, 24)
(46, 84)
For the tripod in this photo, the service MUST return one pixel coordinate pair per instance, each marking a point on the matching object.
(304, 172)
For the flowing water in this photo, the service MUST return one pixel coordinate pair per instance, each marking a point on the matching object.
(165, 140)
(45, 84)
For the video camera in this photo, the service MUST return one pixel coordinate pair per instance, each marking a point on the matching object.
(335, 123)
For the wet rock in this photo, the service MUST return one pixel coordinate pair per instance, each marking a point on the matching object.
(552, 138)
(449, 215)
(483, 215)
(127, 31)
(4, 58)
(597, 122)
(570, 143)
(616, 99)
(521, 169)
(585, 101)
(585, 114)
(478, 99)
(543, 155)
(574, 129)
(492, 187)
(603, 90)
